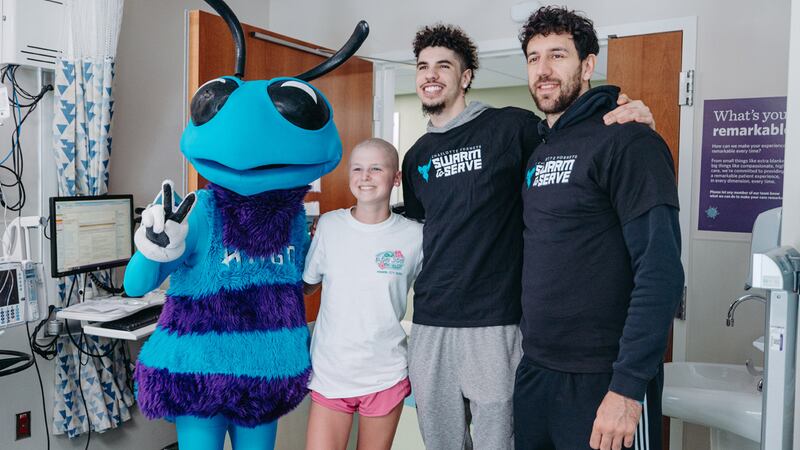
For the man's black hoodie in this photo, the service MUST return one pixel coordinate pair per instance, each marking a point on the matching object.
(602, 274)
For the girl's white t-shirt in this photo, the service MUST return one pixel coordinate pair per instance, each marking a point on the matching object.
(358, 346)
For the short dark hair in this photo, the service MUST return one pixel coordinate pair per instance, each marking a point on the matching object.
(450, 37)
(552, 19)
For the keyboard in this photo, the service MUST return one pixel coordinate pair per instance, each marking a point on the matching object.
(110, 308)
(137, 320)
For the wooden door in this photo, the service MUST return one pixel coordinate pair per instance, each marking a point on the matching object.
(647, 67)
(348, 89)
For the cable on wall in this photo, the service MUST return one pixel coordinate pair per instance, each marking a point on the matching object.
(11, 163)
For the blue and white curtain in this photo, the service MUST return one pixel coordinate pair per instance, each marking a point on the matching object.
(84, 106)
(105, 382)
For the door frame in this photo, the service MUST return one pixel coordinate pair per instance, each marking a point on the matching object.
(686, 164)
(384, 86)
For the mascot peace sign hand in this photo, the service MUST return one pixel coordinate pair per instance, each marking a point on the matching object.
(162, 236)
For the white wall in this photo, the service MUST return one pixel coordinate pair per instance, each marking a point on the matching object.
(149, 91)
(392, 24)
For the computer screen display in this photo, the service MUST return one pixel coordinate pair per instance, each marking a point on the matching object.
(90, 233)
(11, 311)
(9, 290)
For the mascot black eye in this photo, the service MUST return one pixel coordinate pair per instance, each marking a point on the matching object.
(300, 104)
(210, 98)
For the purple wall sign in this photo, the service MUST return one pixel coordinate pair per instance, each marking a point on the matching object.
(742, 169)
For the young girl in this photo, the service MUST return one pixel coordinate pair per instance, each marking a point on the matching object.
(366, 259)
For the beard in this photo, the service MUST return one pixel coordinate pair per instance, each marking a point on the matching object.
(570, 90)
(448, 99)
(435, 109)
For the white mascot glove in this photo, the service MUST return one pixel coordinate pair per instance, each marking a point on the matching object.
(162, 235)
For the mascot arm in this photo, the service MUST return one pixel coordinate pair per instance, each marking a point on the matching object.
(143, 274)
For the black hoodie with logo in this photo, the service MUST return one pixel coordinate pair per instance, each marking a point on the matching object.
(602, 274)
(463, 180)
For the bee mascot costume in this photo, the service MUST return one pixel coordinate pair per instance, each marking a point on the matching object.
(230, 352)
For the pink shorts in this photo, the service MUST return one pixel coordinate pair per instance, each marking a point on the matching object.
(376, 404)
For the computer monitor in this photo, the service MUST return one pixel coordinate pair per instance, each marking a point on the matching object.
(90, 233)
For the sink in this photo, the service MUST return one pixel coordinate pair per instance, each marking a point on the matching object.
(718, 396)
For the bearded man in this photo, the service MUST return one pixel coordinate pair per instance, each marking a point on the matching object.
(602, 274)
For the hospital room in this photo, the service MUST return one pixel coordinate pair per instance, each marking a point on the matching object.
(559, 226)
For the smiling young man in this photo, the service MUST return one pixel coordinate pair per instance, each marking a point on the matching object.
(463, 178)
(602, 274)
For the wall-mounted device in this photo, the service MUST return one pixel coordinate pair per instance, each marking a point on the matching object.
(778, 271)
(32, 277)
(20, 282)
(766, 236)
(32, 32)
(21, 287)
(90, 233)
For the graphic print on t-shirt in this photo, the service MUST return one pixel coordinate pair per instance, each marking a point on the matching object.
(391, 262)
(553, 170)
(452, 162)
(424, 170)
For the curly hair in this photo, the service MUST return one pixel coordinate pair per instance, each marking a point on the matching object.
(553, 19)
(450, 37)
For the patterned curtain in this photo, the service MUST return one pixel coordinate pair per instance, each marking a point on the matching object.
(105, 381)
(84, 107)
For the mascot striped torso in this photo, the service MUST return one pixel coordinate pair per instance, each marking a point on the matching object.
(232, 338)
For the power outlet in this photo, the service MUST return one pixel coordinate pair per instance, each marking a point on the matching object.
(23, 425)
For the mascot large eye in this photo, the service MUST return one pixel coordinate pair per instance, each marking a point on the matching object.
(300, 104)
(210, 98)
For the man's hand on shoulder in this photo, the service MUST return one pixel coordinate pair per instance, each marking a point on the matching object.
(630, 111)
(616, 422)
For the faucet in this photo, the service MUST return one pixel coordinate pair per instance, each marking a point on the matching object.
(729, 322)
(735, 304)
(751, 369)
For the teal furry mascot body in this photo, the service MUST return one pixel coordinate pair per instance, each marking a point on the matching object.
(230, 352)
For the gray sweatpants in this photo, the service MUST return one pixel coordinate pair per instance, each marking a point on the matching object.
(463, 375)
